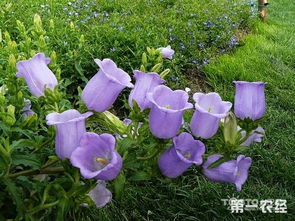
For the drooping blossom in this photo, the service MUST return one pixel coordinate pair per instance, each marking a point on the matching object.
(70, 127)
(233, 171)
(249, 100)
(96, 157)
(167, 109)
(104, 87)
(167, 52)
(100, 194)
(27, 111)
(37, 74)
(184, 152)
(209, 110)
(256, 136)
(127, 121)
(145, 83)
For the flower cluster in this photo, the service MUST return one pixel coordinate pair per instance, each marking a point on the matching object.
(97, 155)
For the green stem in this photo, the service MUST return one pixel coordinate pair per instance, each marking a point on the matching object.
(36, 172)
(41, 207)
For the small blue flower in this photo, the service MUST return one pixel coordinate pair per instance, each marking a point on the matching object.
(175, 78)
(201, 45)
(205, 62)
(172, 38)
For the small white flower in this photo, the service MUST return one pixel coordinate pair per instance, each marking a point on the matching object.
(187, 89)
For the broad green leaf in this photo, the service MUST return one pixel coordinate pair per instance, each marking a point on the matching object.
(140, 176)
(29, 160)
(15, 193)
(119, 185)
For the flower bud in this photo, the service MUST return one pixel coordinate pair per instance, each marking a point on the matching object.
(53, 59)
(11, 62)
(157, 67)
(21, 27)
(113, 122)
(144, 59)
(38, 23)
(51, 24)
(7, 36)
(165, 73)
(72, 25)
(12, 47)
(230, 128)
(9, 120)
(42, 43)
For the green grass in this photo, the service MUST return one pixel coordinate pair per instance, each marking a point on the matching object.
(122, 29)
(267, 55)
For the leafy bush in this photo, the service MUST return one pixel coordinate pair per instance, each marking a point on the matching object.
(39, 183)
(72, 34)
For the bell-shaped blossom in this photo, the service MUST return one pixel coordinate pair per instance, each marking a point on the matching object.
(145, 83)
(256, 136)
(167, 109)
(70, 127)
(100, 194)
(167, 52)
(233, 171)
(209, 110)
(96, 157)
(104, 87)
(27, 111)
(249, 100)
(184, 152)
(37, 74)
(127, 121)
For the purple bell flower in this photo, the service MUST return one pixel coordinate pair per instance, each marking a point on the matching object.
(209, 110)
(37, 74)
(96, 157)
(127, 121)
(145, 83)
(249, 100)
(70, 127)
(100, 194)
(254, 137)
(104, 87)
(167, 110)
(167, 52)
(233, 171)
(27, 109)
(184, 152)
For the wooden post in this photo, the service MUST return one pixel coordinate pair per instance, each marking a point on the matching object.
(262, 9)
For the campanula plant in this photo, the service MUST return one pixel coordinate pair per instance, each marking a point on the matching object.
(81, 153)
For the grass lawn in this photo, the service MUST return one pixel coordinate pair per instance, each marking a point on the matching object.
(267, 55)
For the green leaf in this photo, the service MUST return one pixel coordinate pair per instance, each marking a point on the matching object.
(25, 159)
(119, 185)
(135, 106)
(140, 176)
(24, 143)
(79, 69)
(15, 194)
